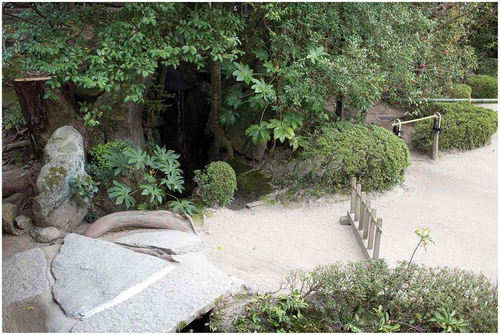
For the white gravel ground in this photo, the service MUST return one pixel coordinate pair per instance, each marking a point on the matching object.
(456, 197)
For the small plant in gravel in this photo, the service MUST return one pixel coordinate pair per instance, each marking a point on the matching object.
(217, 183)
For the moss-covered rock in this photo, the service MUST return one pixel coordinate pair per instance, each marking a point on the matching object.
(57, 203)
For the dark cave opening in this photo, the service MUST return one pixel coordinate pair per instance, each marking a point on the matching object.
(185, 119)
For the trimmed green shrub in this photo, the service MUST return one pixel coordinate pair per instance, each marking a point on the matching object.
(369, 296)
(217, 183)
(457, 91)
(463, 126)
(483, 87)
(372, 154)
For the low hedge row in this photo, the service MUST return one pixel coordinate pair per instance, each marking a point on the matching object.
(370, 296)
(483, 87)
(463, 126)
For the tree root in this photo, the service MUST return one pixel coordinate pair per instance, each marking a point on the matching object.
(138, 219)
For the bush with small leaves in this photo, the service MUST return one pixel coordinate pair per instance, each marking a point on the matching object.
(217, 183)
(370, 296)
(457, 91)
(483, 87)
(463, 126)
(344, 150)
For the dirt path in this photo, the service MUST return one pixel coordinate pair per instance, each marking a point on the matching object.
(455, 197)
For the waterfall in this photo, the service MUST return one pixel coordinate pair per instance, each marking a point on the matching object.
(181, 134)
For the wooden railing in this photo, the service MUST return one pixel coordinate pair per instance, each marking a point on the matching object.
(363, 219)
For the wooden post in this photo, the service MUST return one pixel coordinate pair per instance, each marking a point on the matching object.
(378, 234)
(358, 201)
(362, 211)
(371, 229)
(353, 195)
(367, 218)
(435, 139)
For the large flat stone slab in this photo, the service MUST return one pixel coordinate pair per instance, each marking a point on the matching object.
(93, 275)
(173, 242)
(168, 305)
(23, 276)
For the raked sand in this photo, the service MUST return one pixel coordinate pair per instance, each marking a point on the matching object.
(456, 197)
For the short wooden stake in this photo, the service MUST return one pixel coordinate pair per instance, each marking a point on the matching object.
(362, 211)
(358, 202)
(353, 195)
(367, 218)
(371, 229)
(435, 139)
(378, 234)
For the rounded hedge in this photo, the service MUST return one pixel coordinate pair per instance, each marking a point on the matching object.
(372, 154)
(458, 91)
(483, 87)
(217, 183)
(463, 126)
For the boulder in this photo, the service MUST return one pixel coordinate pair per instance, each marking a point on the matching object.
(46, 235)
(23, 222)
(57, 204)
(173, 242)
(23, 276)
(9, 213)
(92, 275)
(170, 304)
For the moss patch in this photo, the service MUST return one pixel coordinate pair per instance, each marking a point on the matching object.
(254, 184)
(55, 177)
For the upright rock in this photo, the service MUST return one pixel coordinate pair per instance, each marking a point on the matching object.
(9, 213)
(57, 204)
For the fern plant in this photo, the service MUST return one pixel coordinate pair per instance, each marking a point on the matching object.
(157, 176)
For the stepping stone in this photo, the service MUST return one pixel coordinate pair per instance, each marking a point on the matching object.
(93, 275)
(174, 242)
(23, 276)
(170, 304)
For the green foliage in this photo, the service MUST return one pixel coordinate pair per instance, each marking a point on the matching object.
(463, 126)
(488, 66)
(458, 91)
(153, 175)
(483, 87)
(266, 314)
(12, 117)
(344, 150)
(86, 187)
(97, 153)
(217, 183)
(369, 296)
(446, 320)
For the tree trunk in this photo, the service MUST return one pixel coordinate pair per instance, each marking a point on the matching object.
(220, 139)
(44, 116)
